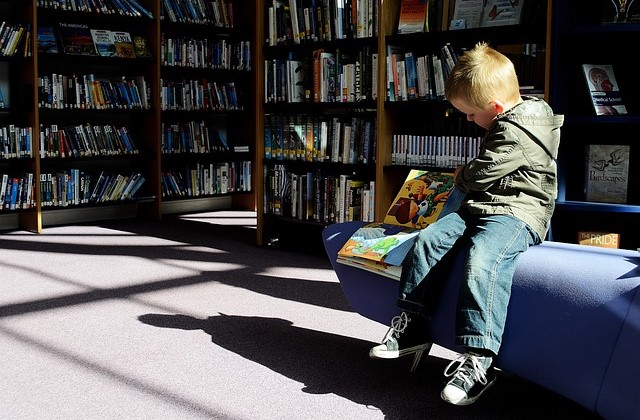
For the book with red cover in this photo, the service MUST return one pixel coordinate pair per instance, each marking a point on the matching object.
(76, 39)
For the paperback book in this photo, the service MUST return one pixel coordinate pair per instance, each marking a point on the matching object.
(607, 173)
(413, 16)
(603, 89)
(502, 12)
(424, 197)
(103, 42)
(123, 44)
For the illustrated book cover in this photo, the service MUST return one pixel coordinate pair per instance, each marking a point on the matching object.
(103, 42)
(502, 12)
(141, 47)
(607, 173)
(603, 89)
(123, 44)
(413, 16)
(46, 39)
(76, 39)
(424, 197)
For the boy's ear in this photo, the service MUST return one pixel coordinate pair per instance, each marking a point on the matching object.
(498, 106)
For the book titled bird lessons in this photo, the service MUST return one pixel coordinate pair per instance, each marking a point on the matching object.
(380, 247)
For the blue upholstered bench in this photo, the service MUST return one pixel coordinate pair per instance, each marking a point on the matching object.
(573, 325)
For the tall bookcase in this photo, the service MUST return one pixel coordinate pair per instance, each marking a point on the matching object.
(216, 47)
(317, 134)
(526, 44)
(582, 35)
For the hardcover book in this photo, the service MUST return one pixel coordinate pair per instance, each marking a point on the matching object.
(413, 16)
(103, 42)
(607, 173)
(424, 197)
(76, 39)
(502, 12)
(603, 89)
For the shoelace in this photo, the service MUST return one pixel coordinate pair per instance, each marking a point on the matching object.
(469, 369)
(398, 324)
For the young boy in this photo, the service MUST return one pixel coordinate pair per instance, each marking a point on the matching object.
(510, 194)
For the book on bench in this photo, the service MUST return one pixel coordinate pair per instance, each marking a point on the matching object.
(425, 196)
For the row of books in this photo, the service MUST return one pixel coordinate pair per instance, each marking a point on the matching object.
(79, 39)
(16, 192)
(411, 77)
(12, 36)
(87, 91)
(207, 179)
(198, 95)
(85, 140)
(315, 196)
(15, 142)
(212, 12)
(438, 151)
(348, 140)
(302, 21)
(107, 7)
(76, 186)
(193, 137)
(205, 53)
(322, 76)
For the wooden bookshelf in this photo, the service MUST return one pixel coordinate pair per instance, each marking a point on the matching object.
(22, 78)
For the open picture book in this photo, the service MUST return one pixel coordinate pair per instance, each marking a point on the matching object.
(424, 197)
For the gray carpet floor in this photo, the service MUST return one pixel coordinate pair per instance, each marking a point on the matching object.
(188, 319)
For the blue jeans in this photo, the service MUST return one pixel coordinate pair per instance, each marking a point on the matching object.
(491, 245)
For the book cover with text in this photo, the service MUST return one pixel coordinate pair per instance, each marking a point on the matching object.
(413, 16)
(607, 173)
(76, 39)
(123, 44)
(603, 89)
(103, 42)
(502, 12)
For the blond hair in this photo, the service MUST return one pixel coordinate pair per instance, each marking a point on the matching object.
(482, 75)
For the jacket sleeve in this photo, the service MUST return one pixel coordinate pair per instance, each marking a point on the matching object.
(501, 154)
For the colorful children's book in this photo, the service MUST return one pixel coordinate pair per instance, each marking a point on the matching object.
(424, 197)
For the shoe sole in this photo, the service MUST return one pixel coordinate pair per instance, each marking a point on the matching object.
(469, 401)
(386, 354)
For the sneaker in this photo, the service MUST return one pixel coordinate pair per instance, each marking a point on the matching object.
(473, 375)
(401, 340)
